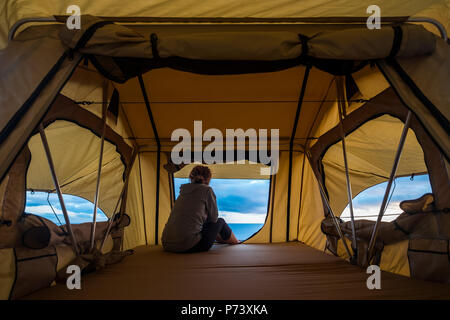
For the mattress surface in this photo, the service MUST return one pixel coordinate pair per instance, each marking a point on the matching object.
(247, 271)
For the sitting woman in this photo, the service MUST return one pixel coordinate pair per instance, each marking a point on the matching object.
(193, 225)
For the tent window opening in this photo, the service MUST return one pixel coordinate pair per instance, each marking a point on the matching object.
(242, 203)
(366, 205)
(47, 205)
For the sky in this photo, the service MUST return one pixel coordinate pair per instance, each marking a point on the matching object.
(242, 201)
(79, 210)
(238, 200)
(369, 201)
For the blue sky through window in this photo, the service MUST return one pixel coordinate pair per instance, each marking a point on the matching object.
(366, 205)
(80, 210)
(242, 203)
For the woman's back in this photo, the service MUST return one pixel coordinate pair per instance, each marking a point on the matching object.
(195, 205)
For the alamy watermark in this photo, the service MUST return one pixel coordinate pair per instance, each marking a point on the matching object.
(374, 281)
(258, 148)
(74, 20)
(374, 20)
(74, 280)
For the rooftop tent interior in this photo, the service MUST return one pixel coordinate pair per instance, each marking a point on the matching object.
(132, 85)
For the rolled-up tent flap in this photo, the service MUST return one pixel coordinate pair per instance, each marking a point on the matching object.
(358, 43)
(366, 44)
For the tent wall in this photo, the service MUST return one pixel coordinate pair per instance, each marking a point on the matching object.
(29, 88)
(372, 163)
(226, 99)
(155, 211)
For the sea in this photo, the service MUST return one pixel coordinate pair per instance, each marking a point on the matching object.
(243, 231)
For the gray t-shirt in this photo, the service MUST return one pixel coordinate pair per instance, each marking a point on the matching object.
(195, 206)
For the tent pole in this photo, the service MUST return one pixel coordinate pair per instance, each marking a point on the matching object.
(97, 188)
(158, 155)
(342, 104)
(388, 188)
(122, 193)
(57, 187)
(325, 199)
(291, 147)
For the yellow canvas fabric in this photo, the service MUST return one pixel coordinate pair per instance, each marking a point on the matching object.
(370, 153)
(75, 153)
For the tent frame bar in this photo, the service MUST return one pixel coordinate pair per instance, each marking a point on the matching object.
(57, 187)
(342, 105)
(158, 155)
(327, 204)
(388, 188)
(175, 20)
(99, 173)
(291, 147)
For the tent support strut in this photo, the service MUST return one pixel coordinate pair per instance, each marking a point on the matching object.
(97, 188)
(342, 105)
(158, 156)
(58, 188)
(327, 204)
(291, 147)
(388, 188)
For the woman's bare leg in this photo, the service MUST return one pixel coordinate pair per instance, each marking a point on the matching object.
(231, 240)
(219, 239)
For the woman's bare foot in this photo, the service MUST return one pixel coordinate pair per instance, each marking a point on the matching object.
(233, 239)
(219, 239)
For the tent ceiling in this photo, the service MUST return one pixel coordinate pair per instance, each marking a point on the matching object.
(259, 101)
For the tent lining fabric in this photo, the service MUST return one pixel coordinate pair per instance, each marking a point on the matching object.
(277, 224)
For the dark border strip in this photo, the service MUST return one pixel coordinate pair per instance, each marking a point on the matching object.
(291, 146)
(142, 199)
(301, 195)
(443, 121)
(380, 68)
(158, 157)
(333, 19)
(272, 204)
(171, 189)
(37, 257)
(10, 296)
(12, 123)
(428, 251)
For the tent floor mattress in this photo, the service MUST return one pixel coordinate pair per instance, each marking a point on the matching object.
(246, 271)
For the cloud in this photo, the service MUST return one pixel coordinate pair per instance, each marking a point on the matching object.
(238, 195)
(361, 212)
(238, 217)
(75, 217)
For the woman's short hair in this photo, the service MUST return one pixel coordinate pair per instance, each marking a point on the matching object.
(200, 174)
